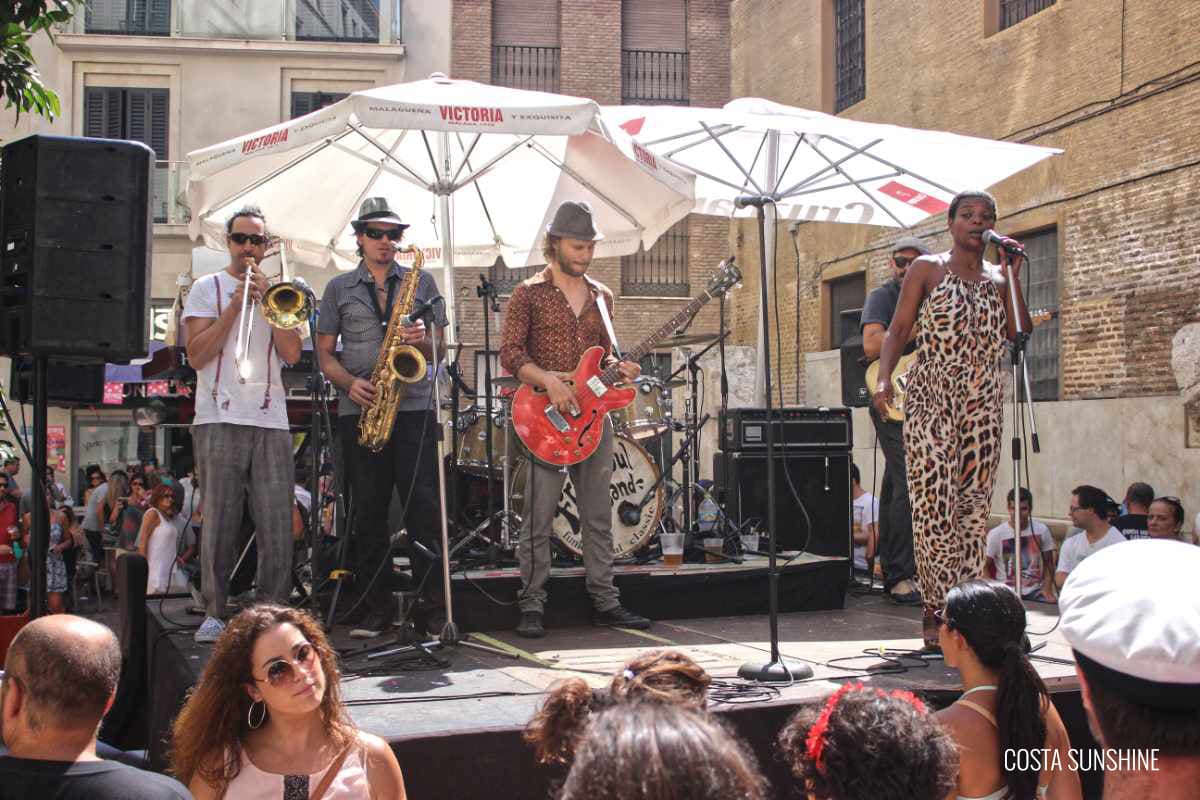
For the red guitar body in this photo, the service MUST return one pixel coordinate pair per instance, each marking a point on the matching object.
(582, 435)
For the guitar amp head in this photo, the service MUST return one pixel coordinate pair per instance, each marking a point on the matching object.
(795, 428)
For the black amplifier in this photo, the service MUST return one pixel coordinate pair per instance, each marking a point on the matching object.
(745, 429)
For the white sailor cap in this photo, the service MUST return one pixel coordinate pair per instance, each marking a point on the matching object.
(1131, 612)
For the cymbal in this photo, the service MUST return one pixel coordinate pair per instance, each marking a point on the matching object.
(688, 339)
(506, 382)
(674, 384)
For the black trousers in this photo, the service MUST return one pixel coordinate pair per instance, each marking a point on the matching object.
(895, 511)
(408, 460)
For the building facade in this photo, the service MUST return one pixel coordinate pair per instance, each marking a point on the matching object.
(1114, 83)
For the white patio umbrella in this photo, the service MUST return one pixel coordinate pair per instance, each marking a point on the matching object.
(478, 170)
(817, 167)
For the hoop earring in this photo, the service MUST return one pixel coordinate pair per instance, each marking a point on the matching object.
(261, 717)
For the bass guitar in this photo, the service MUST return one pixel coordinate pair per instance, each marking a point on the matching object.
(563, 439)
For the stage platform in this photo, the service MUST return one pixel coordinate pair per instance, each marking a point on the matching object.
(456, 726)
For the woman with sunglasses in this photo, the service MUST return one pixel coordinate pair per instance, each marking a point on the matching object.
(1005, 709)
(158, 539)
(266, 719)
(1165, 520)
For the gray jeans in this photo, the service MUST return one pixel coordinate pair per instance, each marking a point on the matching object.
(544, 485)
(236, 463)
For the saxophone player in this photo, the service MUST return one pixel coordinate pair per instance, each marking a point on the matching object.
(358, 306)
(240, 430)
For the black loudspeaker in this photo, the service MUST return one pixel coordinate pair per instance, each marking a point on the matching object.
(822, 486)
(854, 374)
(75, 257)
(66, 383)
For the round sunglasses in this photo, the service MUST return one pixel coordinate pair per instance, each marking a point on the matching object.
(282, 671)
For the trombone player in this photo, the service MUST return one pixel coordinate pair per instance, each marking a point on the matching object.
(240, 430)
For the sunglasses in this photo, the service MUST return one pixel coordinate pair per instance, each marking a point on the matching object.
(138, 484)
(902, 261)
(256, 239)
(282, 671)
(392, 234)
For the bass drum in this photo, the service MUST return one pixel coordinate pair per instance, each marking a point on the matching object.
(634, 471)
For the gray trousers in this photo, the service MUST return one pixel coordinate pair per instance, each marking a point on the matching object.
(543, 490)
(236, 463)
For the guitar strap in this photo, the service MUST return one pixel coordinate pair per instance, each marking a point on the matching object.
(608, 326)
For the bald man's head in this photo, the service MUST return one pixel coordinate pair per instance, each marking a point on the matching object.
(69, 667)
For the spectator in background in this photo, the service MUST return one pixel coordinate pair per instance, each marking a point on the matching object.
(663, 676)
(865, 508)
(61, 677)
(57, 491)
(158, 540)
(12, 466)
(302, 505)
(868, 744)
(1165, 519)
(1089, 507)
(10, 539)
(61, 539)
(1132, 524)
(647, 751)
(94, 517)
(1037, 553)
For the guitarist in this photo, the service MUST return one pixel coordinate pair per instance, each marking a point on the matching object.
(551, 319)
(895, 513)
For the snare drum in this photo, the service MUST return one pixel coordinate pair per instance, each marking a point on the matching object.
(649, 413)
(634, 471)
(472, 447)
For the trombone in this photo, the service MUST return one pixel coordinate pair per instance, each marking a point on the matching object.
(285, 305)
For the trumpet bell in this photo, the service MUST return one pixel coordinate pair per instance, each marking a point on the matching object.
(286, 307)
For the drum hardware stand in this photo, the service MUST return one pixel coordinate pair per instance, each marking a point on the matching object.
(691, 408)
(631, 513)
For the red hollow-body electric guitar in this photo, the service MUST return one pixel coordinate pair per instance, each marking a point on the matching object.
(563, 439)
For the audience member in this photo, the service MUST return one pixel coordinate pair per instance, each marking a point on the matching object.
(10, 541)
(865, 508)
(1132, 617)
(57, 491)
(661, 676)
(158, 540)
(1088, 512)
(266, 718)
(61, 677)
(1037, 552)
(654, 751)
(867, 744)
(93, 515)
(981, 633)
(301, 505)
(1132, 524)
(12, 466)
(61, 540)
(1165, 519)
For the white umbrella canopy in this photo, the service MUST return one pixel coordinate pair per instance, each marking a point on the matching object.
(817, 167)
(506, 158)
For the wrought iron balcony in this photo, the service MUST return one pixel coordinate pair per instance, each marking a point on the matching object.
(522, 67)
(654, 77)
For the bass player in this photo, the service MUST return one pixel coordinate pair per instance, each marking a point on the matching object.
(551, 319)
(357, 306)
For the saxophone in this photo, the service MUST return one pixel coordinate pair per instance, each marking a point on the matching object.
(398, 365)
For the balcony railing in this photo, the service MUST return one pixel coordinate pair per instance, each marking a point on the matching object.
(367, 21)
(661, 271)
(168, 203)
(654, 77)
(522, 67)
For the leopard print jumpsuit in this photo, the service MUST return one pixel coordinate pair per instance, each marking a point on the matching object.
(952, 428)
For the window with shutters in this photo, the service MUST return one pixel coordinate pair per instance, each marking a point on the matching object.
(337, 20)
(654, 52)
(1013, 11)
(525, 44)
(128, 17)
(140, 115)
(846, 296)
(308, 102)
(1040, 281)
(850, 55)
(661, 271)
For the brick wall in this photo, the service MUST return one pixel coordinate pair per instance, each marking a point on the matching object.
(471, 40)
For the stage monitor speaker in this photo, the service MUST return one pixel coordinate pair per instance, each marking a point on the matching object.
(822, 486)
(75, 232)
(854, 374)
(66, 383)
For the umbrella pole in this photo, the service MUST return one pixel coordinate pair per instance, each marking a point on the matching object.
(776, 670)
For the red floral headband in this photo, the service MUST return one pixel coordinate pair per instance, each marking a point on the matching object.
(815, 741)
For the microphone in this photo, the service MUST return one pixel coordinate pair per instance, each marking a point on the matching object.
(628, 513)
(420, 310)
(302, 285)
(1003, 242)
(756, 200)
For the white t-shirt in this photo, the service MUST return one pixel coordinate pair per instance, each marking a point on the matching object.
(870, 513)
(236, 402)
(1077, 548)
(999, 549)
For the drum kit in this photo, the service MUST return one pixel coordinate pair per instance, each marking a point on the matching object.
(645, 502)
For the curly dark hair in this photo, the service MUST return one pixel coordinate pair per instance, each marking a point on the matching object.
(652, 751)
(875, 746)
(661, 676)
(990, 616)
(206, 737)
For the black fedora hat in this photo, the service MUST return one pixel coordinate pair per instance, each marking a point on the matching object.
(573, 220)
(376, 209)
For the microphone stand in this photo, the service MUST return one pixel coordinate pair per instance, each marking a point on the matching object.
(777, 670)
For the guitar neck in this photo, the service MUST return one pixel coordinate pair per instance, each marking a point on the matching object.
(611, 376)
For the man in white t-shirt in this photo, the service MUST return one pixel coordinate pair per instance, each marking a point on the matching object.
(865, 509)
(1037, 553)
(1089, 511)
(243, 446)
